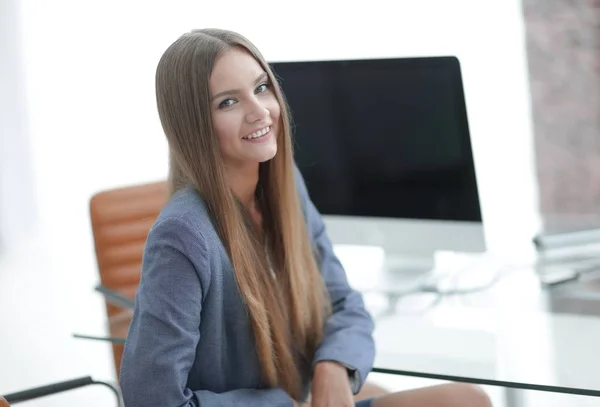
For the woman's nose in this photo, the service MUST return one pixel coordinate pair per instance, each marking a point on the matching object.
(257, 112)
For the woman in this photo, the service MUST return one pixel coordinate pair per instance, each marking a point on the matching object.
(242, 301)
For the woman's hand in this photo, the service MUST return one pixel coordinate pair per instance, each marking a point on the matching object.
(330, 386)
(300, 403)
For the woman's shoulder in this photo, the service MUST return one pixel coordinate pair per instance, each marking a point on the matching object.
(185, 216)
(186, 203)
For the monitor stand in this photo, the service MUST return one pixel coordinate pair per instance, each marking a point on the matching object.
(373, 268)
(405, 272)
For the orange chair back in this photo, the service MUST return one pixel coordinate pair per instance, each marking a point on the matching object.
(121, 219)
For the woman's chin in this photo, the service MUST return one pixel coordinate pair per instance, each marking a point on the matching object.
(268, 155)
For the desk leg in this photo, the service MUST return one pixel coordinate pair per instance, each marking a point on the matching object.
(514, 397)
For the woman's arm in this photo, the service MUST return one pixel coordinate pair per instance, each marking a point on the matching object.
(348, 332)
(161, 344)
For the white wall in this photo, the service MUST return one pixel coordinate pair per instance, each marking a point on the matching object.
(89, 70)
(17, 199)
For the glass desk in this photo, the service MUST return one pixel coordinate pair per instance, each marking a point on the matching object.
(499, 337)
(519, 350)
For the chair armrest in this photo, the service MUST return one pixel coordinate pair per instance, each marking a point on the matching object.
(55, 388)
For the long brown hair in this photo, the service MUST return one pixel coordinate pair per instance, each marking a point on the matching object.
(287, 312)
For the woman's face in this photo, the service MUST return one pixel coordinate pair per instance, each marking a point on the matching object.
(245, 112)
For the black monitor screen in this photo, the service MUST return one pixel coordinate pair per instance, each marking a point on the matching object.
(383, 138)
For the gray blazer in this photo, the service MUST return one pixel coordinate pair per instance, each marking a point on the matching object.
(190, 342)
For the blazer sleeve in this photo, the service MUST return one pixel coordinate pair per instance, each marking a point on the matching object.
(161, 344)
(348, 336)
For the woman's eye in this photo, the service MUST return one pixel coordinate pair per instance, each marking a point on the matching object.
(226, 103)
(262, 88)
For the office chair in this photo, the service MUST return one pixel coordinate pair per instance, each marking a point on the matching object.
(121, 219)
(43, 391)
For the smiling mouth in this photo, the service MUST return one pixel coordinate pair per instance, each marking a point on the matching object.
(257, 134)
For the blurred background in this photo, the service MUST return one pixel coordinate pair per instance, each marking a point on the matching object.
(78, 115)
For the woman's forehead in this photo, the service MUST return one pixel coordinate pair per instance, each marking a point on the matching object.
(235, 69)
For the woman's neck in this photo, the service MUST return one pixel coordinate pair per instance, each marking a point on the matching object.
(243, 184)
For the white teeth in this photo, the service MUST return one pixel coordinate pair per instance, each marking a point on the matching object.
(258, 134)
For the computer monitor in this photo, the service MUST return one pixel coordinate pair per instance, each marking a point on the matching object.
(385, 150)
